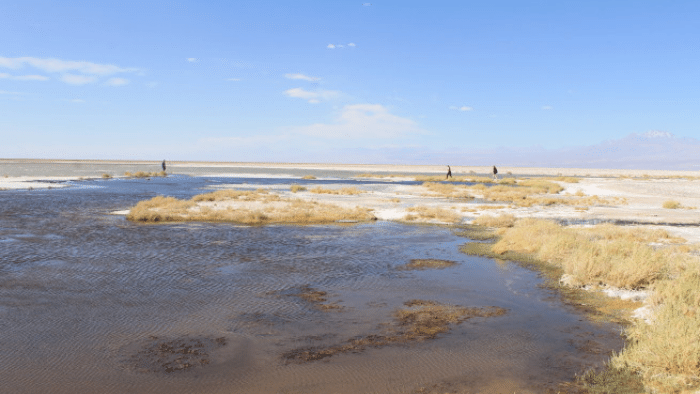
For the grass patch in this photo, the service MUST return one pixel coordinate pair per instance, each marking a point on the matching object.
(671, 204)
(422, 264)
(106, 176)
(297, 188)
(432, 213)
(663, 355)
(504, 220)
(308, 177)
(345, 191)
(245, 207)
(141, 174)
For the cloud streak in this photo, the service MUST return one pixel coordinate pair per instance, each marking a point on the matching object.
(302, 77)
(313, 97)
(72, 72)
(366, 121)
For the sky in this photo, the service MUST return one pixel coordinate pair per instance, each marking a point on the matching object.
(409, 82)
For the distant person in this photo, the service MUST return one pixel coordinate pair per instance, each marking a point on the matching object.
(449, 173)
(495, 173)
(163, 165)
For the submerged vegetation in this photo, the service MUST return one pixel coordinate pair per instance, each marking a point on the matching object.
(417, 321)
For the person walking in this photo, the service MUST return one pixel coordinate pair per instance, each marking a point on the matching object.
(163, 165)
(449, 173)
(495, 173)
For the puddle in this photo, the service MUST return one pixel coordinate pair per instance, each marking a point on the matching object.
(94, 303)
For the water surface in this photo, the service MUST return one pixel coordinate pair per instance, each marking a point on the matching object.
(90, 302)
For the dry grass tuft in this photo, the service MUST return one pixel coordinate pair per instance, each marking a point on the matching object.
(308, 177)
(432, 213)
(245, 207)
(297, 188)
(501, 221)
(670, 204)
(603, 254)
(106, 176)
(346, 191)
(141, 174)
(448, 190)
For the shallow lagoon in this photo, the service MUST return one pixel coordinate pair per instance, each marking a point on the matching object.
(90, 302)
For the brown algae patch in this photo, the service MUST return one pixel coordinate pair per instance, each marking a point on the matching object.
(318, 298)
(419, 320)
(245, 207)
(175, 355)
(422, 264)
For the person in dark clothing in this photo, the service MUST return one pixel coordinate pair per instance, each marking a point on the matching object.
(495, 171)
(163, 165)
(449, 172)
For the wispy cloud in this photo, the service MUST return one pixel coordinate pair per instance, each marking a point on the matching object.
(463, 108)
(117, 82)
(192, 59)
(302, 77)
(73, 72)
(547, 107)
(313, 97)
(73, 79)
(334, 46)
(24, 77)
(52, 65)
(12, 93)
(233, 79)
(369, 121)
(77, 101)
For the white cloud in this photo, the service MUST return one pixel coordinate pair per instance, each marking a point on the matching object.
(333, 46)
(370, 121)
(547, 107)
(233, 79)
(74, 72)
(192, 59)
(24, 77)
(302, 77)
(11, 93)
(73, 79)
(463, 108)
(52, 65)
(313, 97)
(117, 82)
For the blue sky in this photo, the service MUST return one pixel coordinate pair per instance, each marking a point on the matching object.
(341, 81)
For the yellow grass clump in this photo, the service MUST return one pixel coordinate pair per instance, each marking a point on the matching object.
(106, 176)
(432, 213)
(447, 190)
(297, 188)
(141, 174)
(245, 207)
(602, 254)
(308, 177)
(670, 204)
(500, 221)
(346, 191)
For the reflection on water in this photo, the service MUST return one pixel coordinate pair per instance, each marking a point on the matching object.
(92, 303)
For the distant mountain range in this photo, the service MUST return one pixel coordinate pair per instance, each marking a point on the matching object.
(654, 150)
(647, 151)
